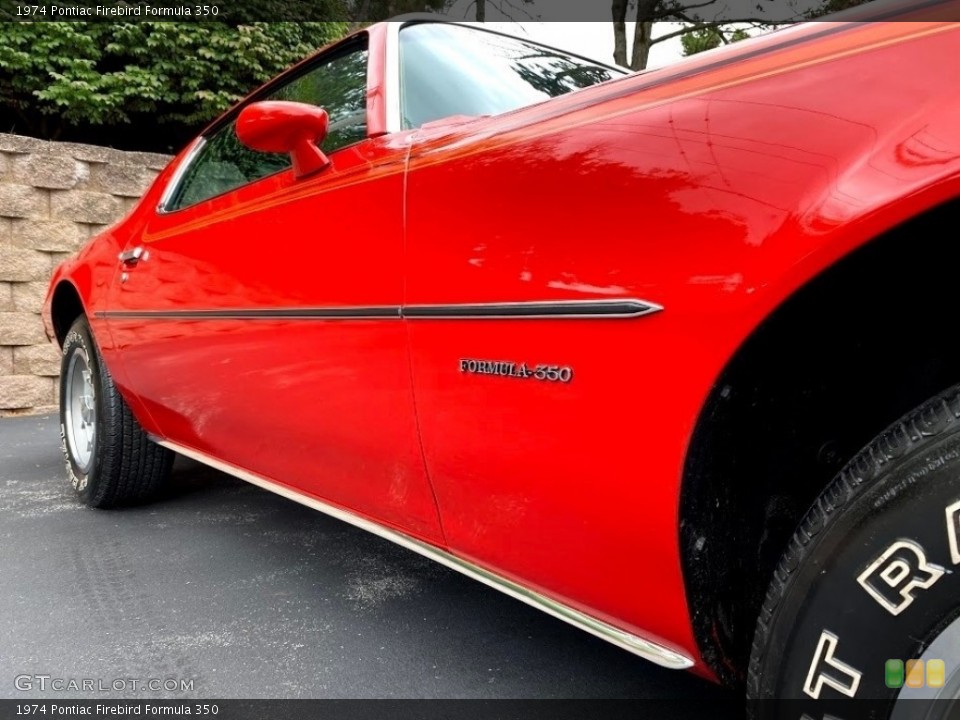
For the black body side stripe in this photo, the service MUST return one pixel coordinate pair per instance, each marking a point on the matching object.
(331, 313)
(523, 310)
(559, 309)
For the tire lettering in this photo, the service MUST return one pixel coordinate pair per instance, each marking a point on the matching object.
(79, 484)
(892, 577)
(953, 531)
(827, 670)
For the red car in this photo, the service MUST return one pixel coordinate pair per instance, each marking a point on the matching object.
(660, 354)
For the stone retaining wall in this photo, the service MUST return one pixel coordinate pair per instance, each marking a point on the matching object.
(53, 197)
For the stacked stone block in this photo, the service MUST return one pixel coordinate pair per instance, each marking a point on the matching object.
(53, 197)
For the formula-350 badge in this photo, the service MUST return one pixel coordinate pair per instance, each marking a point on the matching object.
(519, 371)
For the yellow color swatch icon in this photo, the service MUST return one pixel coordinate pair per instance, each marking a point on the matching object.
(915, 677)
(936, 673)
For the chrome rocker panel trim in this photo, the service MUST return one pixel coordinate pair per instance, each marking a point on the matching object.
(646, 649)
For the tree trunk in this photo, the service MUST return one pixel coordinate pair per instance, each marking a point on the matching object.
(642, 42)
(481, 10)
(620, 32)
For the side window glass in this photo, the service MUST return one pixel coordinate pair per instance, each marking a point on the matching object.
(339, 87)
(224, 163)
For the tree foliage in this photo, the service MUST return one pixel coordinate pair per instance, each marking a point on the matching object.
(698, 41)
(56, 76)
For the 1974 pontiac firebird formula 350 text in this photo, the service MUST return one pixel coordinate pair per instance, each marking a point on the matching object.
(668, 355)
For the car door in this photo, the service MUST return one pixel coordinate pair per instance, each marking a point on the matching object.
(257, 315)
(526, 322)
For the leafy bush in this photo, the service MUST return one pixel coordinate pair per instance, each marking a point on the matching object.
(87, 80)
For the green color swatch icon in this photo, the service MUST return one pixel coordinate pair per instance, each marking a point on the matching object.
(894, 674)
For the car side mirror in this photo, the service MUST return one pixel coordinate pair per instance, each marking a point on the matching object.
(277, 126)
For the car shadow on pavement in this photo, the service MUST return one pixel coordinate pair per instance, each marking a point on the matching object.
(387, 591)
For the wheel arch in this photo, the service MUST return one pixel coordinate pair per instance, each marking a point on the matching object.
(66, 306)
(855, 348)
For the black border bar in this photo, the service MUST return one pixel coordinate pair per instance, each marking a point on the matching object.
(709, 704)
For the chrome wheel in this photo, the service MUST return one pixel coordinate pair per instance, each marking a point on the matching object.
(945, 651)
(80, 427)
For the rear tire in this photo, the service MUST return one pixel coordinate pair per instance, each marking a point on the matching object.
(109, 458)
(871, 579)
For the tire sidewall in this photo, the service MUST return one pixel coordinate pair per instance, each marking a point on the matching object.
(85, 484)
(905, 502)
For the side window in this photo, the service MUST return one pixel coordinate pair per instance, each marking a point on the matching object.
(223, 164)
(338, 85)
(340, 88)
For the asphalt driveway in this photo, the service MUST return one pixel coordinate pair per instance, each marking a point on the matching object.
(247, 594)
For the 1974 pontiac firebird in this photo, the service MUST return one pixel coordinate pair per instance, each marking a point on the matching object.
(670, 356)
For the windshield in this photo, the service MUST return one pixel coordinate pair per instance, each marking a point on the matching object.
(448, 70)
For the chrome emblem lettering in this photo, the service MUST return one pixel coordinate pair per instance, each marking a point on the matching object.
(518, 371)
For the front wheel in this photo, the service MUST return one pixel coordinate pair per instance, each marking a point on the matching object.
(866, 600)
(110, 460)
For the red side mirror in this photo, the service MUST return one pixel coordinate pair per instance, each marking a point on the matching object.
(276, 126)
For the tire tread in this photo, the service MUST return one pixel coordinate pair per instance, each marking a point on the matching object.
(930, 420)
(132, 468)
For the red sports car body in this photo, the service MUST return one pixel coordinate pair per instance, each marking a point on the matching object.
(503, 339)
